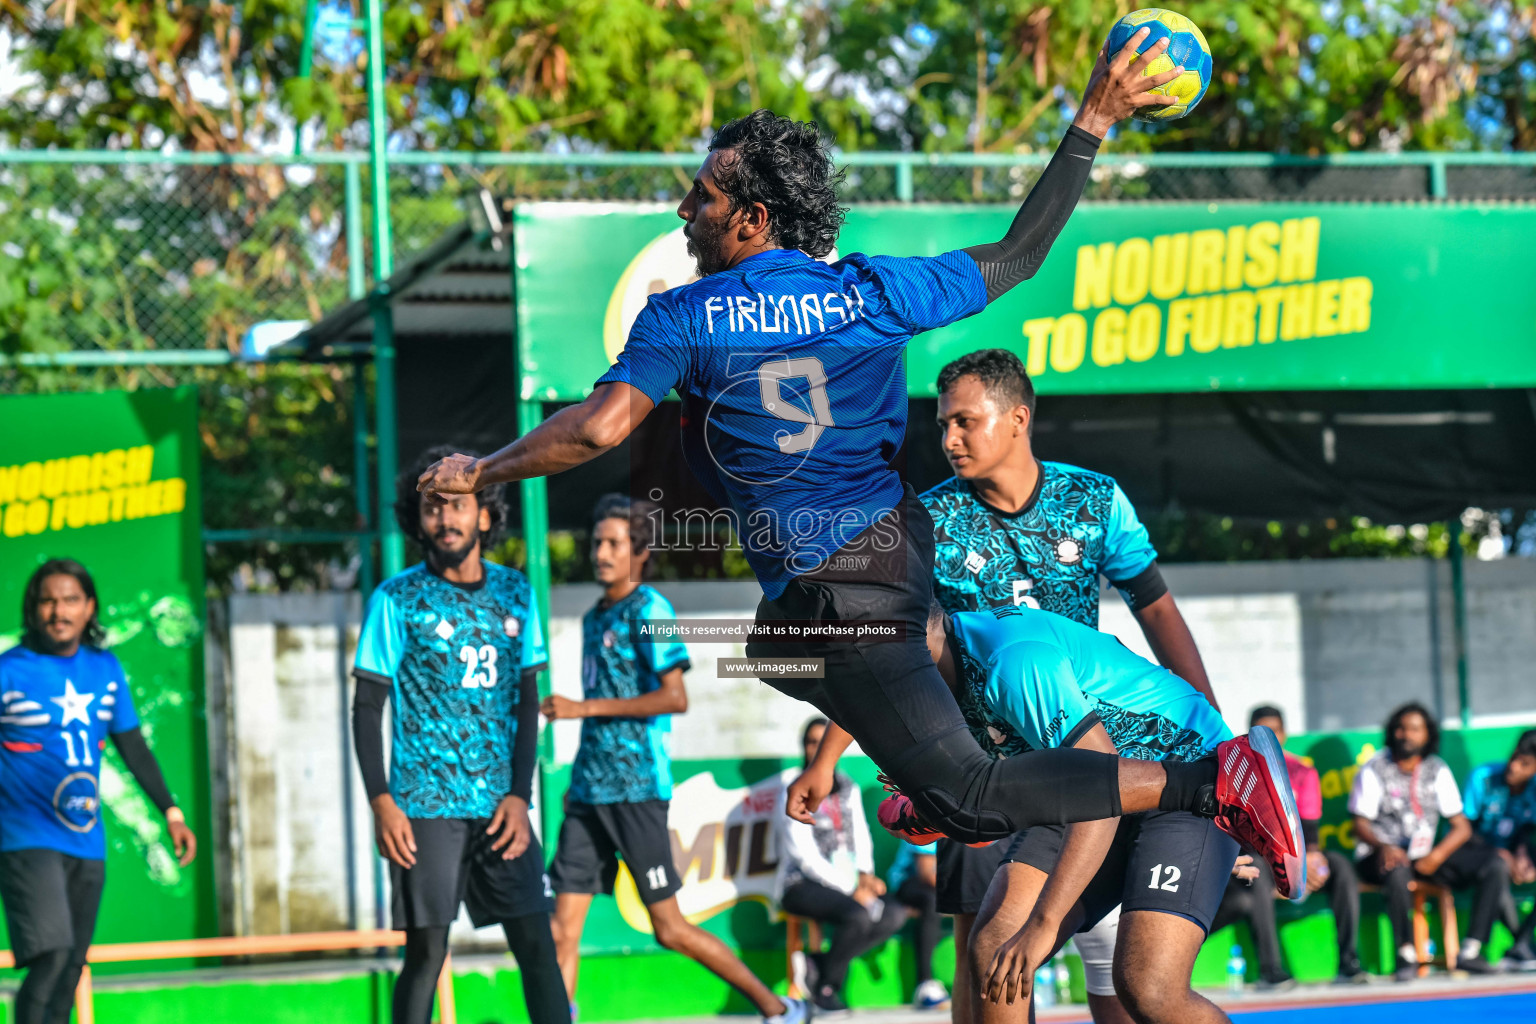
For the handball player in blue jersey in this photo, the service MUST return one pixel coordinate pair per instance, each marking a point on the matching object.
(61, 697)
(794, 407)
(621, 780)
(1029, 680)
(455, 642)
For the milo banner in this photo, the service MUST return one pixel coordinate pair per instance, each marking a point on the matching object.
(1161, 297)
(111, 479)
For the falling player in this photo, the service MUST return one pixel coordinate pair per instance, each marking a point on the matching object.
(621, 780)
(794, 405)
(455, 642)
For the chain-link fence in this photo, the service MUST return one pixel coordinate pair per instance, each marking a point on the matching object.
(140, 252)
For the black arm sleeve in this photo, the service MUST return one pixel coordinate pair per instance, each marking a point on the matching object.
(525, 748)
(1044, 213)
(143, 766)
(1309, 831)
(368, 732)
(1143, 588)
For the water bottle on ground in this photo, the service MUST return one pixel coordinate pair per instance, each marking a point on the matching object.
(1045, 985)
(1236, 968)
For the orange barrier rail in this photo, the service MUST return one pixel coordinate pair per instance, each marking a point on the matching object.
(177, 949)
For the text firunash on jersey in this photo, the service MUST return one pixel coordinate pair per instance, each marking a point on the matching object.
(781, 314)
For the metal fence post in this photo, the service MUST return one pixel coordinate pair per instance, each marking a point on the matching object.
(1459, 623)
(1437, 186)
(391, 543)
(904, 189)
(535, 495)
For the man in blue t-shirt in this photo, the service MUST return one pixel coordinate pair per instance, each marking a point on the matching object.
(1030, 680)
(794, 405)
(621, 781)
(1500, 801)
(456, 642)
(61, 697)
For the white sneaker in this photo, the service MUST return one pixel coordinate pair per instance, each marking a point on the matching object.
(795, 1012)
(930, 995)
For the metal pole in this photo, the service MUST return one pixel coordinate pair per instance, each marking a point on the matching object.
(1459, 623)
(391, 543)
(306, 63)
(535, 495)
(1436, 666)
(357, 287)
(357, 271)
(904, 190)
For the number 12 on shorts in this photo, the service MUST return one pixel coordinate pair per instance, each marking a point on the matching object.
(656, 877)
(1165, 878)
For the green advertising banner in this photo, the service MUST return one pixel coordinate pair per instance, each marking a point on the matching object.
(1157, 297)
(111, 479)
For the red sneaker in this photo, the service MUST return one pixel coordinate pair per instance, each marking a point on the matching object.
(899, 818)
(1256, 807)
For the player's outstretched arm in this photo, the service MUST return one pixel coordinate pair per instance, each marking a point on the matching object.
(571, 437)
(669, 698)
(145, 769)
(1116, 89)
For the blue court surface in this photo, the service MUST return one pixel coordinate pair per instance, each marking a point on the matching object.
(1485, 1009)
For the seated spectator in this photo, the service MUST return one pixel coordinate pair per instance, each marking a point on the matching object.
(1255, 902)
(826, 874)
(1501, 804)
(1397, 801)
(913, 880)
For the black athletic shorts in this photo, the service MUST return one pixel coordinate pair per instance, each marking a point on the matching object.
(455, 864)
(964, 872)
(594, 836)
(51, 900)
(1160, 860)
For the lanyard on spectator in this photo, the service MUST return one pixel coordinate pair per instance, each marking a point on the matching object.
(1413, 791)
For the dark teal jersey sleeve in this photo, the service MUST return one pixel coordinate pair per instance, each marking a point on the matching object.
(381, 642)
(1033, 687)
(666, 653)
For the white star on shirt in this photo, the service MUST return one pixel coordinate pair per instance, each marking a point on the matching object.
(75, 704)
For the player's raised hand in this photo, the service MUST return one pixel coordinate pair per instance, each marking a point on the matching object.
(806, 793)
(392, 829)
(182, 839)
(457, 474)
(1119, 85)
(511, 821)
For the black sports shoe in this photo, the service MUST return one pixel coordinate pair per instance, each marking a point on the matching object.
(1405, 971)
(1279, 981)
(1476, 965)
(828, 1003)
(1520, 957)
(1350, 972)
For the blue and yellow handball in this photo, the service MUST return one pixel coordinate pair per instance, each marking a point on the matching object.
(1187, 48)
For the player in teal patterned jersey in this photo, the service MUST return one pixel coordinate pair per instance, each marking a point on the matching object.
(625, 759)
(621, 782)
(61, 698)
(457, 644)
(1010, 530)
(1048, 682)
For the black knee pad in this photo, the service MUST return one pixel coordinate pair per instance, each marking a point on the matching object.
(943, 778)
